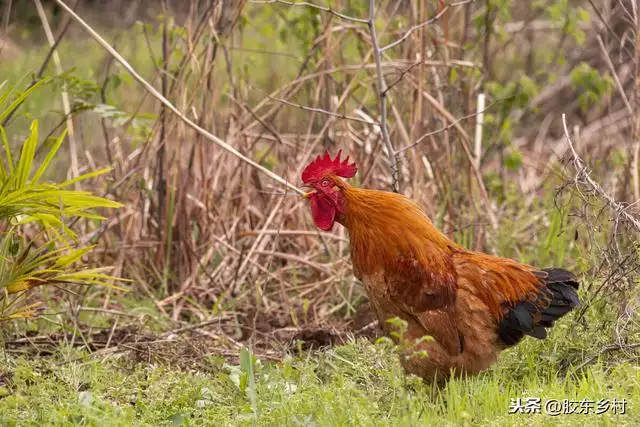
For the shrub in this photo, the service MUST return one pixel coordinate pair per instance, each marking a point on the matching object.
(37, 248)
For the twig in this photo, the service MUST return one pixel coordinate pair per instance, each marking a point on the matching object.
(315, 109)
(113, 330)
(256, 117)
(295, 258)
(194, 327)
(258, 244)
(5, 25)
(627, 104)
(479, 123)
(614, 74)
(382, 99)
(366, 327)
(451, 63)
(255, 263)
(66, 106)
(465, 142)
(314, 6)
(605, 349)
(43, 66)
(154, 92)
(423, 24)
(108, 311)
(287, 88)
(583, 173)
(247, 233)
(451, 124)
(635, 175)
(606, 23)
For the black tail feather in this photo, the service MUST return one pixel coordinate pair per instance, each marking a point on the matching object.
(526, 318)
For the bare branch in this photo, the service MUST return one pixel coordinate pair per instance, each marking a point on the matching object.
(316, 109)
(382, 100)
(423, 24)
(479, 124)
(451, 124)
(614, 74)
(314, 6)
(465, 142)
(66, 105)
(583, 177)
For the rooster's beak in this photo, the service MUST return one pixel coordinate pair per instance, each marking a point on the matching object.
(308, 194)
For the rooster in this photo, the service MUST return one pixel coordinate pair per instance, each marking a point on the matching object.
(471, 304)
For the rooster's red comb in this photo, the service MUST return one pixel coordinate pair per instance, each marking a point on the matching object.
(324, 165)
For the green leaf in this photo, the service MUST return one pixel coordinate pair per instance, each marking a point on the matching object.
(7, 150)
(246, 365)
(583, 15)
(513, 159)
(24, 95)
(47, 161)
(453, 76)
(26, 157)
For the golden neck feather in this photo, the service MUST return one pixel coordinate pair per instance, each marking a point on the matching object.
(384, 226)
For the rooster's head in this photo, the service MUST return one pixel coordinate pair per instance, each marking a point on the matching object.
(322, 176)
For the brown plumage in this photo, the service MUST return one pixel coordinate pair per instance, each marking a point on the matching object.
(472, 304)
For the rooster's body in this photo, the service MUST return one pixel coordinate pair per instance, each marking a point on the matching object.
(473, 305)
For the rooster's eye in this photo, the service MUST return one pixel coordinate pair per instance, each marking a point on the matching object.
(325, 183)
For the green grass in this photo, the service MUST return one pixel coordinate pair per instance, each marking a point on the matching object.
(356, 384)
